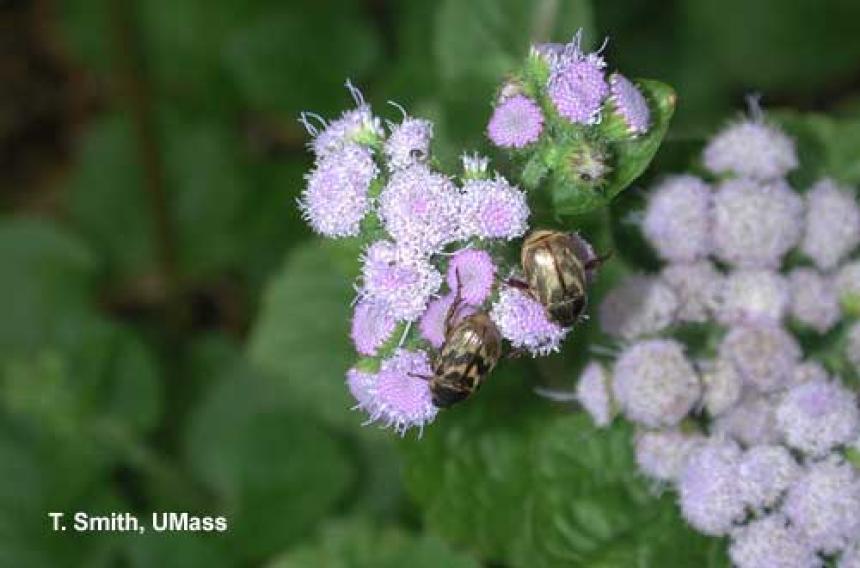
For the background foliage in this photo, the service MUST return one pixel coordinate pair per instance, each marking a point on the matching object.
(172, 338)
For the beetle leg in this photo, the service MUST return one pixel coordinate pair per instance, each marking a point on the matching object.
(517, 283)
(422, 377)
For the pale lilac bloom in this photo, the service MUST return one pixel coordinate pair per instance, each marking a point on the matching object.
(354, 125)
(473, 273)
(708, 487)
(493, 209)
(754, 296)
(517, 121)
(401, 396)
(847, 282)
(814, 301)
(654, 384)
(577, 86)
(765, 472)
(809, 371)
(432, 324)
(630, 103)
(678, 219)
(698, 287)
(409, 143)
(372, 326)
(832, 224)
(401, 282)
(770, 542)
(592, 392)
(751, 149)
(662, 454)
(360, 385)
(524, 323)
(817, 416)
(765, 355)
(722, 384)
(752, 421)
(638, 307)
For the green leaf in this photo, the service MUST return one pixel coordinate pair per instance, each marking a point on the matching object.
(826, 146)
(360, 544)
(631, 156)
(500, 31)
(523, 484)
(301, 337)
(177, 550)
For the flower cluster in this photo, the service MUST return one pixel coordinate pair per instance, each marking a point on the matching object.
(722, 353)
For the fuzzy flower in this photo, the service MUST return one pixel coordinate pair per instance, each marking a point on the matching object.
(770, 542)
(662, 454)
(654, 383)
(360, 385)
(409, 143)
(756, 224)
(751, 422)
(419, 209)
(852, 346)
(335, 199)
(809, 371)
(592, 392)
(814, 301)
(354, 125)
(399, 398)
(493, 209)
(765, 355)
(516, 122)
(824, 504)
(473, 273)
(629, 103)
(678, 219)
(522, 321)
(851, 557)
(847, 282)
(832, 224)
(708, 487)
(764, 474)
(372, 326)
(723, 386)
(640, 306)
(751, 149)
(403, 284)
(698, 288)
(754, 296)
(817, 416)
(432, 324)
(577, 85)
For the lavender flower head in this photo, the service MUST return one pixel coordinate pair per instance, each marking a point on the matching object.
(402, 283)
(708, 487)
(764, 474)
(419, 209)
(754, 296)
(640, 306)
(355, 125)
(654, 383)
(751, 422)
(755, 225)
(493, 209)
(698, 289)
(847, 282)
(399, 399)
(770, 542)
(372, 326)
(517, 121)
(832, 224)
(629, 103)
(850, 558)
(723, 386)
(409, 143)
(678, 219)
(662, 454)
(361, 385)
(765, 355)
(751, 149)
(523, 322)
(592, 392)
(577, 86)
(824, 504)
(817, 416)
(432, 324)
(473, 273)
(336, 197)
(814, 301)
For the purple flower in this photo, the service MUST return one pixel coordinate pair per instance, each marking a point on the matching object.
(577, 85)
(698, 288)
(817, 416)
(764, 474)
(493, 209)
(708, 487)
(360, 385)
(409, 143)
(399, 399)
(592, 392)
(770, 542)
(662, 454)
(354, 125)
(629, 103)
(723, 386)
(640, 306)
(419, 209)
(335, 199)
(754, 296)
(764, 354)
(824, 504)
(516, 122)
(476, 273)
(809, 371)
(678, 219)
(432, 325)
(751, 149)
(402, 283)
(654, 383)
(523, 321)
(851, 557)
(755, 225)
(751, 422)
(814, 301)
(832, 224)
(372, 326)
(847, 282)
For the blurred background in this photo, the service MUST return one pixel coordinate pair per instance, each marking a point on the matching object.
(173, 339)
